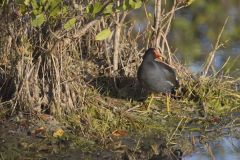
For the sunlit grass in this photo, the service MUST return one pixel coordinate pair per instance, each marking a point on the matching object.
(59, 83)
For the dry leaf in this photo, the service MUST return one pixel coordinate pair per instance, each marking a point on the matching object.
(58, 133)
(119, 133)
(155, 148)
(45, 117)
(39, 130)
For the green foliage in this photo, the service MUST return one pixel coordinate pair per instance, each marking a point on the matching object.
(70, 23)
(104, 34)
(96, 7)
(108, 9)
(50, 10)
(190, 2)
(135, 4)
(93, 9)
(42, 10)
(39, 20)
(126, 5)
(130, 4)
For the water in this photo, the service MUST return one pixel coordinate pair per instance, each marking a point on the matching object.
(227, 148)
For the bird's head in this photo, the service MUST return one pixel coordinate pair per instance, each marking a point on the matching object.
(153, 54)
(157, 54)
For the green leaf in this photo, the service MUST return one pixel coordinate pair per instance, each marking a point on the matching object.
(52, 4)
(124, 6)
(88, 8)
(27, 2)
(64, 10)
(23, 9)
(138, 4)
(190, 2)
(35, 7)
(97, 7)
(108, 9)
(94, 8)
(55, 11)
(104, 34)
(70, 23)
(131, 3)
(34, 4)
(42, 2)
(39, 20)
(135, 5)
(150, 15)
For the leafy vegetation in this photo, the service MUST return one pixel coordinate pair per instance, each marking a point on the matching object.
(76, 62)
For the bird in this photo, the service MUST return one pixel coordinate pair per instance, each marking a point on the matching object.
(157, 76)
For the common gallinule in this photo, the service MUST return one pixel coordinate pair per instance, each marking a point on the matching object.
(156, 75)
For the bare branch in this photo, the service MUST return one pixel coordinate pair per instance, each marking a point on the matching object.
(116, 48)
(157, 23)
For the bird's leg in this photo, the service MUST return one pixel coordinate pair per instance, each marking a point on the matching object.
(168, 103)
(149, 104)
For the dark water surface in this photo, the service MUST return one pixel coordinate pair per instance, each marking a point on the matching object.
(227, 148)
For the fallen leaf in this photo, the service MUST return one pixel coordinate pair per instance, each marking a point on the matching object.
(58, 133)
(45, 117)
(155, 148)
(39, 130)
(119, 133)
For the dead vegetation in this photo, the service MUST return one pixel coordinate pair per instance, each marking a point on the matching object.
(52, 69)
(92, 84)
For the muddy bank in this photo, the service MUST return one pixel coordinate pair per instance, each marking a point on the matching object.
(25, 138)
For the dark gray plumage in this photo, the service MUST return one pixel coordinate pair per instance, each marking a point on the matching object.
(156, 76)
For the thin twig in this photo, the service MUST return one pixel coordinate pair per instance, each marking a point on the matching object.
(165, 33)
(224, 65)
(175, 130)
(85, 28)
(213, 52)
